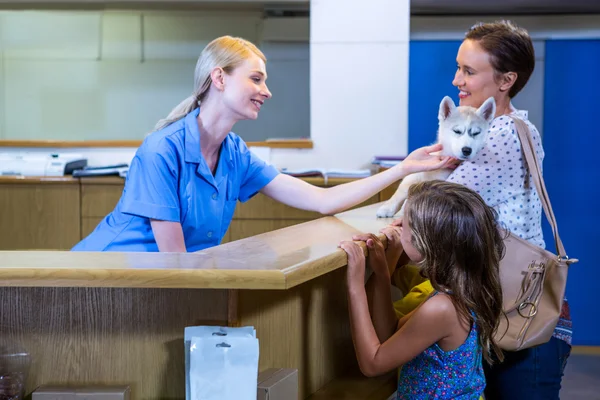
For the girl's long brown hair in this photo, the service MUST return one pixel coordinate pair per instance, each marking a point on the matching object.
(457, 234)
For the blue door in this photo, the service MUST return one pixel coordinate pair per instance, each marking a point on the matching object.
(431, 70)
(572, 172)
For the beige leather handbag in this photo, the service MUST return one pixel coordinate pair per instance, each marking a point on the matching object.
(533, 279)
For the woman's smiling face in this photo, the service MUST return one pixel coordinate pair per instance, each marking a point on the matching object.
(475, 77)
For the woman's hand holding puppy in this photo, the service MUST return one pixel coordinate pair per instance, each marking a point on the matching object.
(423, 159)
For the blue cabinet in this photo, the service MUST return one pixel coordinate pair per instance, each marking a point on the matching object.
(431, 71)
(571, 171)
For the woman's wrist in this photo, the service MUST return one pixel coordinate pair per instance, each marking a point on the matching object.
(400, 170)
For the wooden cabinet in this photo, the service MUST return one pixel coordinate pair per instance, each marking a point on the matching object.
(262, 214)
(99, 196)
(56, 213)
(39, 214)
(258, 215)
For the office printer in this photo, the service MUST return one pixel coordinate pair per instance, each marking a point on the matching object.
(39, 164)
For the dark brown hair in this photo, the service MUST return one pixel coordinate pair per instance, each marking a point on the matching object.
(457, 234)
(510, 49)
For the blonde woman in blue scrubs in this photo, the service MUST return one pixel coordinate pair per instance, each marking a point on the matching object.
(186, 177)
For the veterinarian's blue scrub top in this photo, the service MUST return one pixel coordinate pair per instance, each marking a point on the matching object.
(169, 180)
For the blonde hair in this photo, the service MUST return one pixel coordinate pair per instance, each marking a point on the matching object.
(226, 52)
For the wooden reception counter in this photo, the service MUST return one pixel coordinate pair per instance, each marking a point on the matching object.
(118, 318)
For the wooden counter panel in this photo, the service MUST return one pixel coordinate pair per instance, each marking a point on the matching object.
(101, 195)
(355, 386)
(184, 279)
(107, 331)
(98, 200)
(279, 259)
(88, 224)
(305, 327)
(110, 336)
(138, 270)
(37, 180)
(39, 216)
(263, 207)
(245, 228)
(103, 180)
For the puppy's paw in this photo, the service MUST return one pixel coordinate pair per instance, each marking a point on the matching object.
(387, 210)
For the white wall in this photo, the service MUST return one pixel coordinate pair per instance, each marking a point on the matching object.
(348, 143)
(358, 83)
(89, 75)
(110, 75)
(287, 113)
(364, 142)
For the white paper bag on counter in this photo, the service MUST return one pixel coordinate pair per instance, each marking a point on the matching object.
(223, 368)
(209, 331)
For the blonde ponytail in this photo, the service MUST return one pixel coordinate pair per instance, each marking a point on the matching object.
(180, 111)
(226, 52)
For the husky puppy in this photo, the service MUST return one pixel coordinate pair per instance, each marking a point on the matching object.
(462, 131)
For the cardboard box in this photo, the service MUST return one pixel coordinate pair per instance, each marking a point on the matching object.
(277, 384)
(47, 392)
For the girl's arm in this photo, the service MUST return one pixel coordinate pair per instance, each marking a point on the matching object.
(378, 289)
(420, 330)
(381, 307)
(299, 194)
(394, 250)
(168, 236)
(402, 321)
(428, 325)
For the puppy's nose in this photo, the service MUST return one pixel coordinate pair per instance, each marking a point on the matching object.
(466, 151)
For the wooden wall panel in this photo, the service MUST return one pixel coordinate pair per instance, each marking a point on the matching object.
(109, 336)
(305, 327)
(263, 207)
(58, 215)
(243, 228)
(39, 216)
(88, 224)
(99, 200)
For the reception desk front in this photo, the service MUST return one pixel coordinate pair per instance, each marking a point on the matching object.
(118, 318)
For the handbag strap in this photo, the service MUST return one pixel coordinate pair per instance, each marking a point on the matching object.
(531, 289)
(536, 173)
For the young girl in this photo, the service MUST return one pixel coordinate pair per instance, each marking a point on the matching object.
(453, 236)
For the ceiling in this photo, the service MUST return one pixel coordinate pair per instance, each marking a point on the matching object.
(301, 7)
(466, 7)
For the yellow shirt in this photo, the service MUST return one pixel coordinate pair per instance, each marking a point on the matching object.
(415, 288)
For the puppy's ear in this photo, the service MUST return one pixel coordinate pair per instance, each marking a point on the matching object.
(447, 107)
(487, 110)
